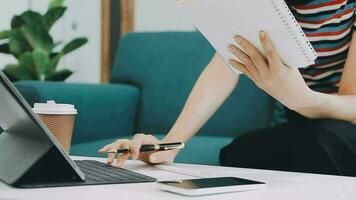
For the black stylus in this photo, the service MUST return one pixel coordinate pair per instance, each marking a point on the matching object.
(153, 147)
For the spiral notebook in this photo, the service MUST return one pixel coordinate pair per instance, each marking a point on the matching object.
(220, 20)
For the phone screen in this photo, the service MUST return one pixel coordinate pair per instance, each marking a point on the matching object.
(210, 182)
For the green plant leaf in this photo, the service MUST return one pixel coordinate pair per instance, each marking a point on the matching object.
(28, 30)
(16, 22)
(60, 75)
(74, 44)
(53, 63)
(4, 35)
(17, 73)
(35, 31)
(31, 18)
(26, 61)
(4, 48)
(53, 15)
(18, 44)
(38, 37)
(30, 42)
(56, 4)
(41, 61)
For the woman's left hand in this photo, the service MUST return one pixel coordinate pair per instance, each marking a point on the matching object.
(284, 83)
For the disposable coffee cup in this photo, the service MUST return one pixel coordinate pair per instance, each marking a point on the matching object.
(59, 119)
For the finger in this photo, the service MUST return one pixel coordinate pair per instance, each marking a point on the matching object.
(239, 66)
(271, 52)
(113, 147)
(136, 144)
(138, 141)
(166, 157)
(150, 139)
(144, 157)
(255, 55)
(111, 157)
(121, 160)
(245, 59)
(105, 148)
(123, 144)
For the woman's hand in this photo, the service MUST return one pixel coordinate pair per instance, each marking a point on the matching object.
(284, 83)
(160, 157)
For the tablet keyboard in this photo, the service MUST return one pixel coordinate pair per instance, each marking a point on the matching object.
(101, 173)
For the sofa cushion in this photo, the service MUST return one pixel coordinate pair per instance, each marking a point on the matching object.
(104, 111)
(165, 67)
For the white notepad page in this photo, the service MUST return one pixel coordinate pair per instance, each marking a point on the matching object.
(221, 20)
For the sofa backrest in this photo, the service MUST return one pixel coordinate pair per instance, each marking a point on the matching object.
(165, 66)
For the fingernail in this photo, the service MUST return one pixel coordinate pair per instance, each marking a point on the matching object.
(263, 35)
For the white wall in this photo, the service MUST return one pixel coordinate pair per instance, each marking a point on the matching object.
(159, 15)
(81, 19)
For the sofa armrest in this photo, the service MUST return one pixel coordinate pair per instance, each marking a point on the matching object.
(104, 111)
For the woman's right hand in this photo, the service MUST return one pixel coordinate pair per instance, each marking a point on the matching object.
(160, 157)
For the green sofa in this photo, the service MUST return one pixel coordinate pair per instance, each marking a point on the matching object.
(150, 81)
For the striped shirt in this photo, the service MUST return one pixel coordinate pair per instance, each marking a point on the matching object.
(329, 25)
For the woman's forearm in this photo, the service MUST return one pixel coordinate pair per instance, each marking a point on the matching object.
(321, 106)
(342, 106)
(213, 87)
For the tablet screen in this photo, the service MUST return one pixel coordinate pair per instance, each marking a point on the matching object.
(210, 183)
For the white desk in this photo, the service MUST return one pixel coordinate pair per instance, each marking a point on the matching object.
(280, 186)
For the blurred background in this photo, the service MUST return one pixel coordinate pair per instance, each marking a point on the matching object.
(76, 41)
(102, 22)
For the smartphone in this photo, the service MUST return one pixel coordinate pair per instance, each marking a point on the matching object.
(206, 186)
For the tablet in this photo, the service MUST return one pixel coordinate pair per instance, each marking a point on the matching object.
(206, 186)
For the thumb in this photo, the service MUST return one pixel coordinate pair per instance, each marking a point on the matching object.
(162, 157)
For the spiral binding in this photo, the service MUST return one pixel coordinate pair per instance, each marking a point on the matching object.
(292, 32)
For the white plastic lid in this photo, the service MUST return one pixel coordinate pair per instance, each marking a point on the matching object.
(52, 108)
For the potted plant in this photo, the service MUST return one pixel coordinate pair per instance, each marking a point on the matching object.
(30, 42)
